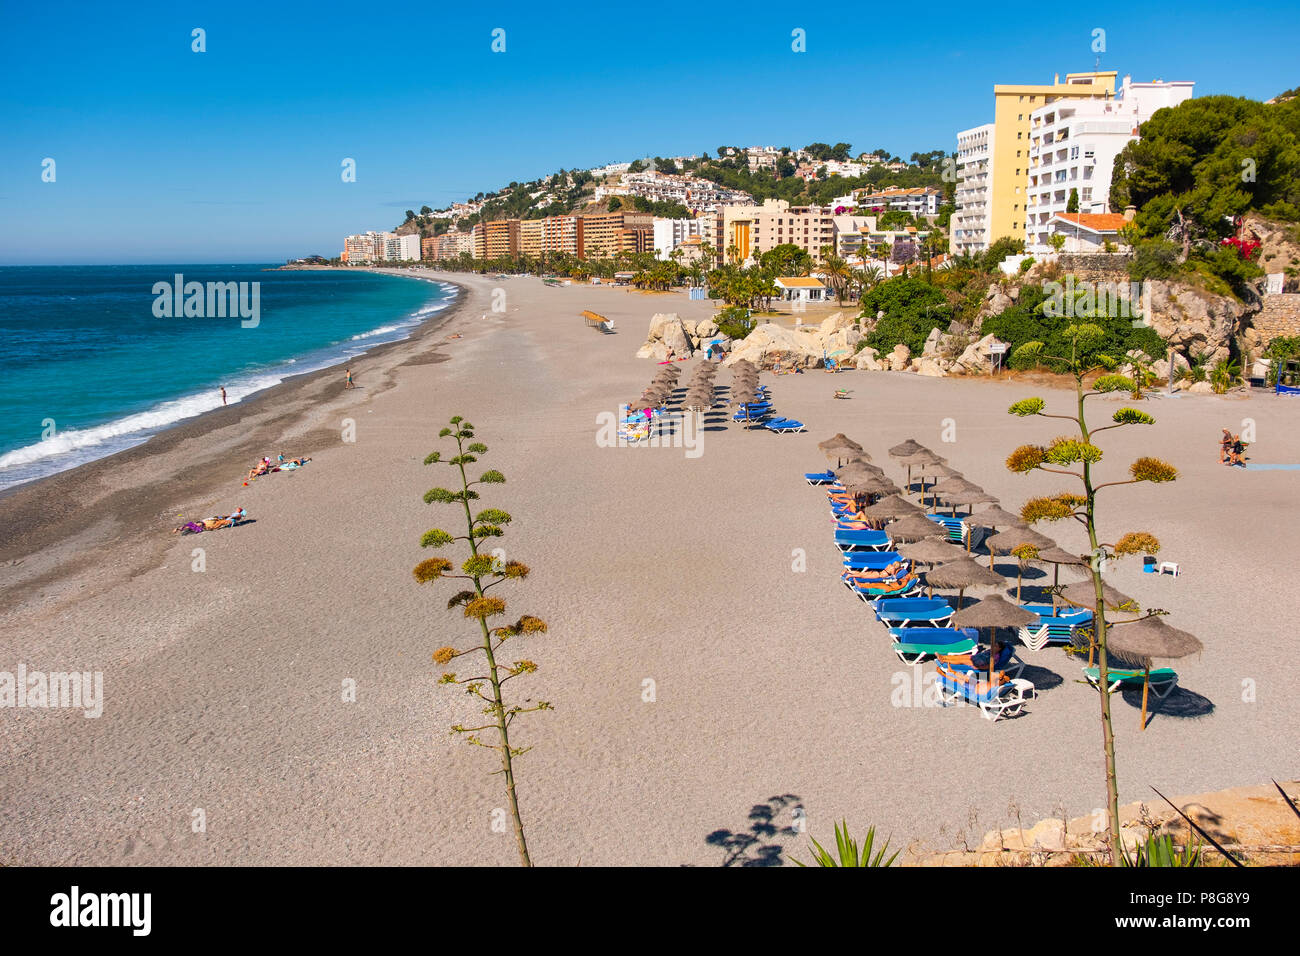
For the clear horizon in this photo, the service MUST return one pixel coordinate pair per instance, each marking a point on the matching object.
(233, 155)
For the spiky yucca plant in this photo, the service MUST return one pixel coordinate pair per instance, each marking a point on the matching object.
(847, 852)
(484, 572)
(1061, 457)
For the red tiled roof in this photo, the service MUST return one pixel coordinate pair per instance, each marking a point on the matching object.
(1094, 221)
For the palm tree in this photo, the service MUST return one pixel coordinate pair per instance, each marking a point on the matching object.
(836, 271)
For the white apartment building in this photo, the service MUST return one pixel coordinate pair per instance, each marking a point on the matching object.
(671, 233)
(381, 246)
(835, 167)
(917, 200)
(1072, 150)
(968, 231)
(693, 193)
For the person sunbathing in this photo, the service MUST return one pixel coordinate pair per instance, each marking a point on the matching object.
(261, 468)
(1237, 453)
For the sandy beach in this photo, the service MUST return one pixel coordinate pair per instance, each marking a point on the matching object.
(773, 686)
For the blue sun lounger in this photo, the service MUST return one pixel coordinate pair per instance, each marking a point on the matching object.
(872, 560)
(1055, 625)
(994, 700)
(874, 591)
(867, 540)
(913, 645)
(784, 425)
(909, 612)
(819, 477)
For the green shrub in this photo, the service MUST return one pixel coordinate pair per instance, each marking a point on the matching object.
(1026, 265)
(1155, 259)
(733, 322)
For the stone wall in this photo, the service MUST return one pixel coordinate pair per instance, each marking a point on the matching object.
(1095, 266)
(1280, 315)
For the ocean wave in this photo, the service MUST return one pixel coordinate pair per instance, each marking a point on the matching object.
(68, 449)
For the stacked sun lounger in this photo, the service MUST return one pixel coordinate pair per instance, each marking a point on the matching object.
(1056, 625)
(955, 526)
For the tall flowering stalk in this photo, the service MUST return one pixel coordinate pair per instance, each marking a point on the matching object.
(1062, 457)
(484, 572)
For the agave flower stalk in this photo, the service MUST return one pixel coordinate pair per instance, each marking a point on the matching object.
(1077, 456)
(483, 572)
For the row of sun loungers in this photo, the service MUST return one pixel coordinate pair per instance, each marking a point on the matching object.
(919, 627)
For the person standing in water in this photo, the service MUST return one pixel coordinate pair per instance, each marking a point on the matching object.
(223, 394)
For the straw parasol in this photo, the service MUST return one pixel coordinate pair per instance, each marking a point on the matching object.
(840, 448)
(963, 573)
(1149, 637)
(869, 485)
(1083, 594)
(914, 528)
(991, 613)
(1057, 556)
(973, 497)
(931, 551)
(858, 464)
(918, 458)
(1008, 539)
(909, 447)
(894, 506)
(938, 472)
(994, 516)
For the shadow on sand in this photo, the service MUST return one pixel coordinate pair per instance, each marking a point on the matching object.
(756, 845)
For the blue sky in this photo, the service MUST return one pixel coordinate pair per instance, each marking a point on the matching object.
(233, 155)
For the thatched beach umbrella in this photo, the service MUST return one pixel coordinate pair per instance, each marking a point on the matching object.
(914, 528)
(961, 574)
(968, 498)
(1140, 641)
(1008, 539)
(936, 472)
(918, 459)
(909, 447)
(991, 613)
(839, 448)
(870, 485)
(894, 506)
(859, 465)
(993, 516)
(1057, 557)
(931, 551)
(1083, 594)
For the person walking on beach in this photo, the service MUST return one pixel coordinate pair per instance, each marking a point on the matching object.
(1225, 447)
(223, 394)
(347, 382)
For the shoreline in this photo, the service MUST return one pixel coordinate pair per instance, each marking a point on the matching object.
(45, 514)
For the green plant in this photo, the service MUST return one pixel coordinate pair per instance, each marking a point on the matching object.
(484, 572)
(1084, 358)
(1225, 375)
(1160, 851)
(847, 851)
(1026, 264)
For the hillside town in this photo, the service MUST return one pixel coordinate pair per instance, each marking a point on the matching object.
(1039, 174)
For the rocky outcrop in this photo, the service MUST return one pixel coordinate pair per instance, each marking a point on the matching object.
(804, 346)
(1195, 323)
(668, 331)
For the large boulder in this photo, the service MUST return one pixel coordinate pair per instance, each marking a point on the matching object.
(976, 356)
(706, 328)
(838, 321)
(667, 329)
(929, 367)
(932, 342)
(869, 360)
(770, 343)
(899, 358)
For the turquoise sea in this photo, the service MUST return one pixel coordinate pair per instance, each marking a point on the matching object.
(90, 366)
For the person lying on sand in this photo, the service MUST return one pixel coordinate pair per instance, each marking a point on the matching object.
(213, 523)
(261, 468)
